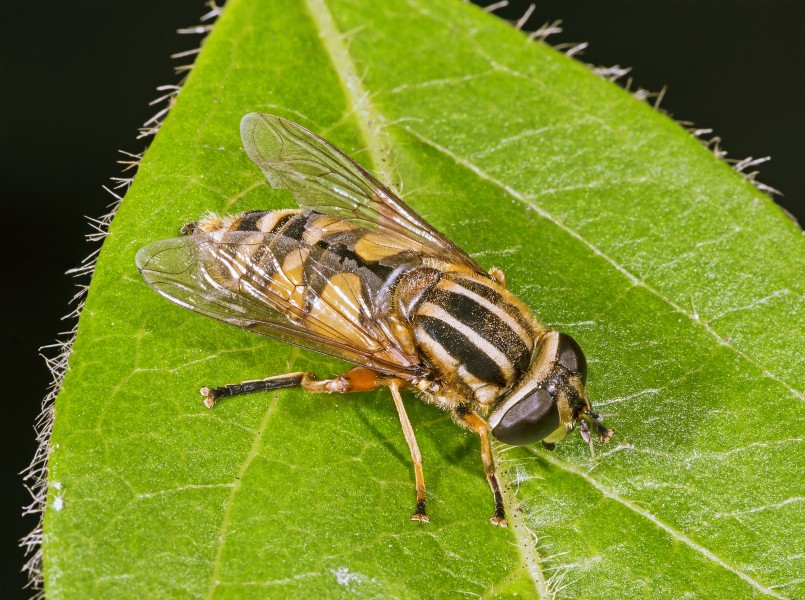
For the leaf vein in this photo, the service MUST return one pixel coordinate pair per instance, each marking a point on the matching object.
(674, 533)
(254, 451)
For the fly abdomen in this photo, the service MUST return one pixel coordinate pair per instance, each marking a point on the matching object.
(329, 249)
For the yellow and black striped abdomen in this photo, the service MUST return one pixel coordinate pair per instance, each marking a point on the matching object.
(328, 247)
(313, 279)
(474, 332)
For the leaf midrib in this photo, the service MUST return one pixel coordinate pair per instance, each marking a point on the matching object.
(372, 126)
(370, 122)
(368, 117)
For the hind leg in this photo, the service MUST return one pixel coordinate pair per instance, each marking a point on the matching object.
(359, 379)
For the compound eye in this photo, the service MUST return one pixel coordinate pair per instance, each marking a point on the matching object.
(533, 418)
(570, 356)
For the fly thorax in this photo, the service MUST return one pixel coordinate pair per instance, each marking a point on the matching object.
(549, 399)
(472, 333)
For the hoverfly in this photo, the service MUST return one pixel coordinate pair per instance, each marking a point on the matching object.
(357, 274)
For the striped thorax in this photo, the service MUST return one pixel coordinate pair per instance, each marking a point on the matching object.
(477, 337)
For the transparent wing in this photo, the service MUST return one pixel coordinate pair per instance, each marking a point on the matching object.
(324, 179)
(279, 287)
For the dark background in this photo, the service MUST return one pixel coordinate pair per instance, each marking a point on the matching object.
(75, 82)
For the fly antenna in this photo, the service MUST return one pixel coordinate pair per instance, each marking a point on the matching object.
(597, 422)
(585, 433)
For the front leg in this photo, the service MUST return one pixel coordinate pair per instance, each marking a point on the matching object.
(468, 419)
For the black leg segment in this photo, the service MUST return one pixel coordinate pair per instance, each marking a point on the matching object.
(212, 395)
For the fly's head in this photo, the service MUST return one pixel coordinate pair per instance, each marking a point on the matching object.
(550, 398)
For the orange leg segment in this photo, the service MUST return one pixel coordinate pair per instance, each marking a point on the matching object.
(475, 423)
(359, 379)
(416, 456)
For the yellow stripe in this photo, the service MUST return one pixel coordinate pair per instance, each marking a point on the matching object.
(438, 352)
(267, 222)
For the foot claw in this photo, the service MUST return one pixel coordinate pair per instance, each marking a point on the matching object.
(421, 517)
(499, 521)
(209, 401)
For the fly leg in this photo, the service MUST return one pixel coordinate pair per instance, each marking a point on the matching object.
(473, 422)
(359, 379)
(416, 456)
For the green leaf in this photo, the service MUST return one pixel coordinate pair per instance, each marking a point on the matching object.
(681, 281)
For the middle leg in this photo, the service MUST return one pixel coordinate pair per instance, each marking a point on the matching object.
(416, 456)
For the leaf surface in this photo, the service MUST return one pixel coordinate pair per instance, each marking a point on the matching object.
(680, 280)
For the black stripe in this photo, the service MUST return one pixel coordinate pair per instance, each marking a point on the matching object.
(495, 298)
(281, 222)
(334, 253)
(248, 220)
(295, 226)
(327, 260)
(352, 261)
(462, 349)
(486, 324)
(291, 226)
